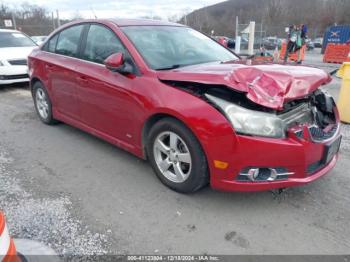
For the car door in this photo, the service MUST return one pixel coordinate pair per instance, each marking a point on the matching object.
(106, 97)
(61, 68)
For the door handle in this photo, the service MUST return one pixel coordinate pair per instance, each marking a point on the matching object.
(83, 79)
(49, 67)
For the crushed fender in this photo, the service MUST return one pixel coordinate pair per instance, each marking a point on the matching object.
(270, 85)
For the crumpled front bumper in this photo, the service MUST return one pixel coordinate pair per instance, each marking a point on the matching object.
(300, 156)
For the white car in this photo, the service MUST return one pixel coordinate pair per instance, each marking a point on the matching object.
(14, 50)
(39, 39)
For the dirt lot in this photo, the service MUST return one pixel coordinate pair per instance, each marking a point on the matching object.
(81, 195)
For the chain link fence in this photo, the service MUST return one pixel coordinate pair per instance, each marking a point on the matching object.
(31, 28)
(268, 36)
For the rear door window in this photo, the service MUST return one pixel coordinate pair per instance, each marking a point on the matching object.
(51, 45)
(68, 41)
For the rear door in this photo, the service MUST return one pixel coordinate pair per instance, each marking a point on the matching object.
(61, 67)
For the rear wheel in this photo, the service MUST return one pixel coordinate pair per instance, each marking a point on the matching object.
(43, 104)
(177, 157)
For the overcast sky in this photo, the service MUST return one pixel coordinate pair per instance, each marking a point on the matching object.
(118, 8)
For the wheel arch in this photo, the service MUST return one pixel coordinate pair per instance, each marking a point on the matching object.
(153, 119)
(32, 83)
(149, 123)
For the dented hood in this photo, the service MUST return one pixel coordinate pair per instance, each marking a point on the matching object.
(267, 85)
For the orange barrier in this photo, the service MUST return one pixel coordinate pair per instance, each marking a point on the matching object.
(336, 53)
(348, 58)
(263, 58)
(7, 247)
(292, 56)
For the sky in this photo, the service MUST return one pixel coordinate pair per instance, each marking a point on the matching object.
(118, 8)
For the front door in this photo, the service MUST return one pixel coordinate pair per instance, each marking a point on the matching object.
(106, 97)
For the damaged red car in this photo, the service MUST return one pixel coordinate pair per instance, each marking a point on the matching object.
(194, 109)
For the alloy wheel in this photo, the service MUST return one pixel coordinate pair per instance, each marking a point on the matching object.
(42, 103)
(172, 156)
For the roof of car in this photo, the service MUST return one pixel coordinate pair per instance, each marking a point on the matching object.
(140, 22)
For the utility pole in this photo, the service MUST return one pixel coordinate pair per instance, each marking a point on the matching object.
(237, 38)
(53, 21)
(58, 18)
(237, 27)
(251, 38)
(261, 32)
(14, 21)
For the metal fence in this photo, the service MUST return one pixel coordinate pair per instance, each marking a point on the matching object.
(43, 27)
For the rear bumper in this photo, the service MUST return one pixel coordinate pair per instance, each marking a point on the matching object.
(299, 157)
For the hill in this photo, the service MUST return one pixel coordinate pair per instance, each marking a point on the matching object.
(274, 15)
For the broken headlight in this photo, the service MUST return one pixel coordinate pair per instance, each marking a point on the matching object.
(250, 122)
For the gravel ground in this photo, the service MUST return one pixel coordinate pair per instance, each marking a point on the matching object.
(346, 138)
(80, 195)
(47, 219)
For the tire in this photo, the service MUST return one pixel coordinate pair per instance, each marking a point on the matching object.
(42, 103)
(179, 161)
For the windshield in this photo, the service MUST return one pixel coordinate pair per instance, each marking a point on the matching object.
(166, 47)
(14, 39)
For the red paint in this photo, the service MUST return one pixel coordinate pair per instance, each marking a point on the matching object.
(115, 107)
(114, 60)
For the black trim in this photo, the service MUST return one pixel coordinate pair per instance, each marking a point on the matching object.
(82, 41)
(13, 77)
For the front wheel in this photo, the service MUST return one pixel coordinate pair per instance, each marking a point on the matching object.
(177, 157)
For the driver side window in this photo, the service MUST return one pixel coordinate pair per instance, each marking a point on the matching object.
(100, 44)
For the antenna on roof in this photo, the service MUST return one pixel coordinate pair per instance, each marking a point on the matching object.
(93, 12)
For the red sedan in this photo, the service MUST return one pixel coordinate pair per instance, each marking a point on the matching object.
(199, 114)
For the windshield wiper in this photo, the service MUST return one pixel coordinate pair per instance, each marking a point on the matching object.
(169, 67)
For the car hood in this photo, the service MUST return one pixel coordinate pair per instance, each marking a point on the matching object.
(9, 53)
(268, 85)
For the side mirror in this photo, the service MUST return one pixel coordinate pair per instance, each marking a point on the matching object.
(116, 63)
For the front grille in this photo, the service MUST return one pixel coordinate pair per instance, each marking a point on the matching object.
(13, 77)
(314, 167)
(319, 134)
(18, 62)
(299, 133)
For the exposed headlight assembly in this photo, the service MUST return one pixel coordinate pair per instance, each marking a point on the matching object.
(250, 122)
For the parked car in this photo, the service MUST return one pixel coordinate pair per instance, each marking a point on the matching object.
(39, 39)
(270, 43)
(318, 42)
(176, 97)
(14, 50)
(228, 42)
(310, 44)
(245, 43)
